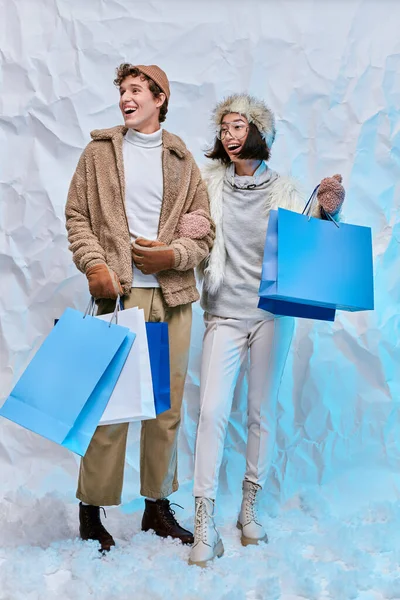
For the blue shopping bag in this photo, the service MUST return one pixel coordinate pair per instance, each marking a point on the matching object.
(65, 389)
(157, 339)
(312, 267)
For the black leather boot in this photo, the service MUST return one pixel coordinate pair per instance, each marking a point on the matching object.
(91, 527)
(160, 517)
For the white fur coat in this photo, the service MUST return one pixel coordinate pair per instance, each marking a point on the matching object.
(284, 193)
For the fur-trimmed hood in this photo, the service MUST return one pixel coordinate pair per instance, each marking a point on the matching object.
(284, 192)
(255, 111)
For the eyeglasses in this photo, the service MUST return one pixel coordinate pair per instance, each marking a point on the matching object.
(236, 131)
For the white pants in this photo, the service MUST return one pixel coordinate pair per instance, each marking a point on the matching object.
(225, 347)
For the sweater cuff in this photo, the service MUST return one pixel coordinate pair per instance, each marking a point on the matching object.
(92, 262)
(178, 258)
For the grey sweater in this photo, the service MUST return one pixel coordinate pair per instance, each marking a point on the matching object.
(244, 223)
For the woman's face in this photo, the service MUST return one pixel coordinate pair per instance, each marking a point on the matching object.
(233, 133)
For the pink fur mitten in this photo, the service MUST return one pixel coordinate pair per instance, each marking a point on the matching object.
(331, 194)
(194, 225)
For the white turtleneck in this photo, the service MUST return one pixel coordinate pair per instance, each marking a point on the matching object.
(143, 191)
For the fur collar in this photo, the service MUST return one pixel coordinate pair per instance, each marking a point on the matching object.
(255, 110)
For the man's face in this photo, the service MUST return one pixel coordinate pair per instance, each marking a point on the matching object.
(138, 106)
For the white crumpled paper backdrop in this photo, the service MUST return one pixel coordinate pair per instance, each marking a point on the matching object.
(330, 71)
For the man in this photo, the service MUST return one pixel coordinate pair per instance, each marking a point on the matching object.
(138, 223)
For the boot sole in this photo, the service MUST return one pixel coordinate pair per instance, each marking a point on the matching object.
(164, 536)
(102, 548)
(246, 541)
(218, 552)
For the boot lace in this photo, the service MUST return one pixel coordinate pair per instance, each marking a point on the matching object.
(201, 517)
(93, 524)
(168, 514)
(251, 504)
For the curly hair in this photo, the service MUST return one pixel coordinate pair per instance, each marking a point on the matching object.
(125, 70)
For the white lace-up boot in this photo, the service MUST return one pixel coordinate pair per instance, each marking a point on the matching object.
(248, 521)
(207, 543)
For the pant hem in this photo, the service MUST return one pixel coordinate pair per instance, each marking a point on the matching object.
(204, 495)
(159, 495)
(255, 480)
(107, 502)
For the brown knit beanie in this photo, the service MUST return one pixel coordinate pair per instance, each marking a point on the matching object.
(157, 75)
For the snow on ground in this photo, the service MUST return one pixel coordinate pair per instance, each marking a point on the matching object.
(312, 555)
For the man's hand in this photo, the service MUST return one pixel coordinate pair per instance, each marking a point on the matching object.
(152, 256)
(103, 282)
(148, 243)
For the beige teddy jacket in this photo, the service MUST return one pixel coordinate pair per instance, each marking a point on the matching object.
(97, 224)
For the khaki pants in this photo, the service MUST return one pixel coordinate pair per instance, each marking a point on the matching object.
(102, 468)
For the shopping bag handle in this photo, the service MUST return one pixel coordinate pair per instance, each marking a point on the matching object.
(310, 205)
(91, 307)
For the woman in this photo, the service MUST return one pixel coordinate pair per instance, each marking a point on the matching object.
(242, 191)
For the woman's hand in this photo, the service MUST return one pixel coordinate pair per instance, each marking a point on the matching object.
(331, 194)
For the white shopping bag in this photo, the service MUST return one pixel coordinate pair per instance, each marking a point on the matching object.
(132, 398)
